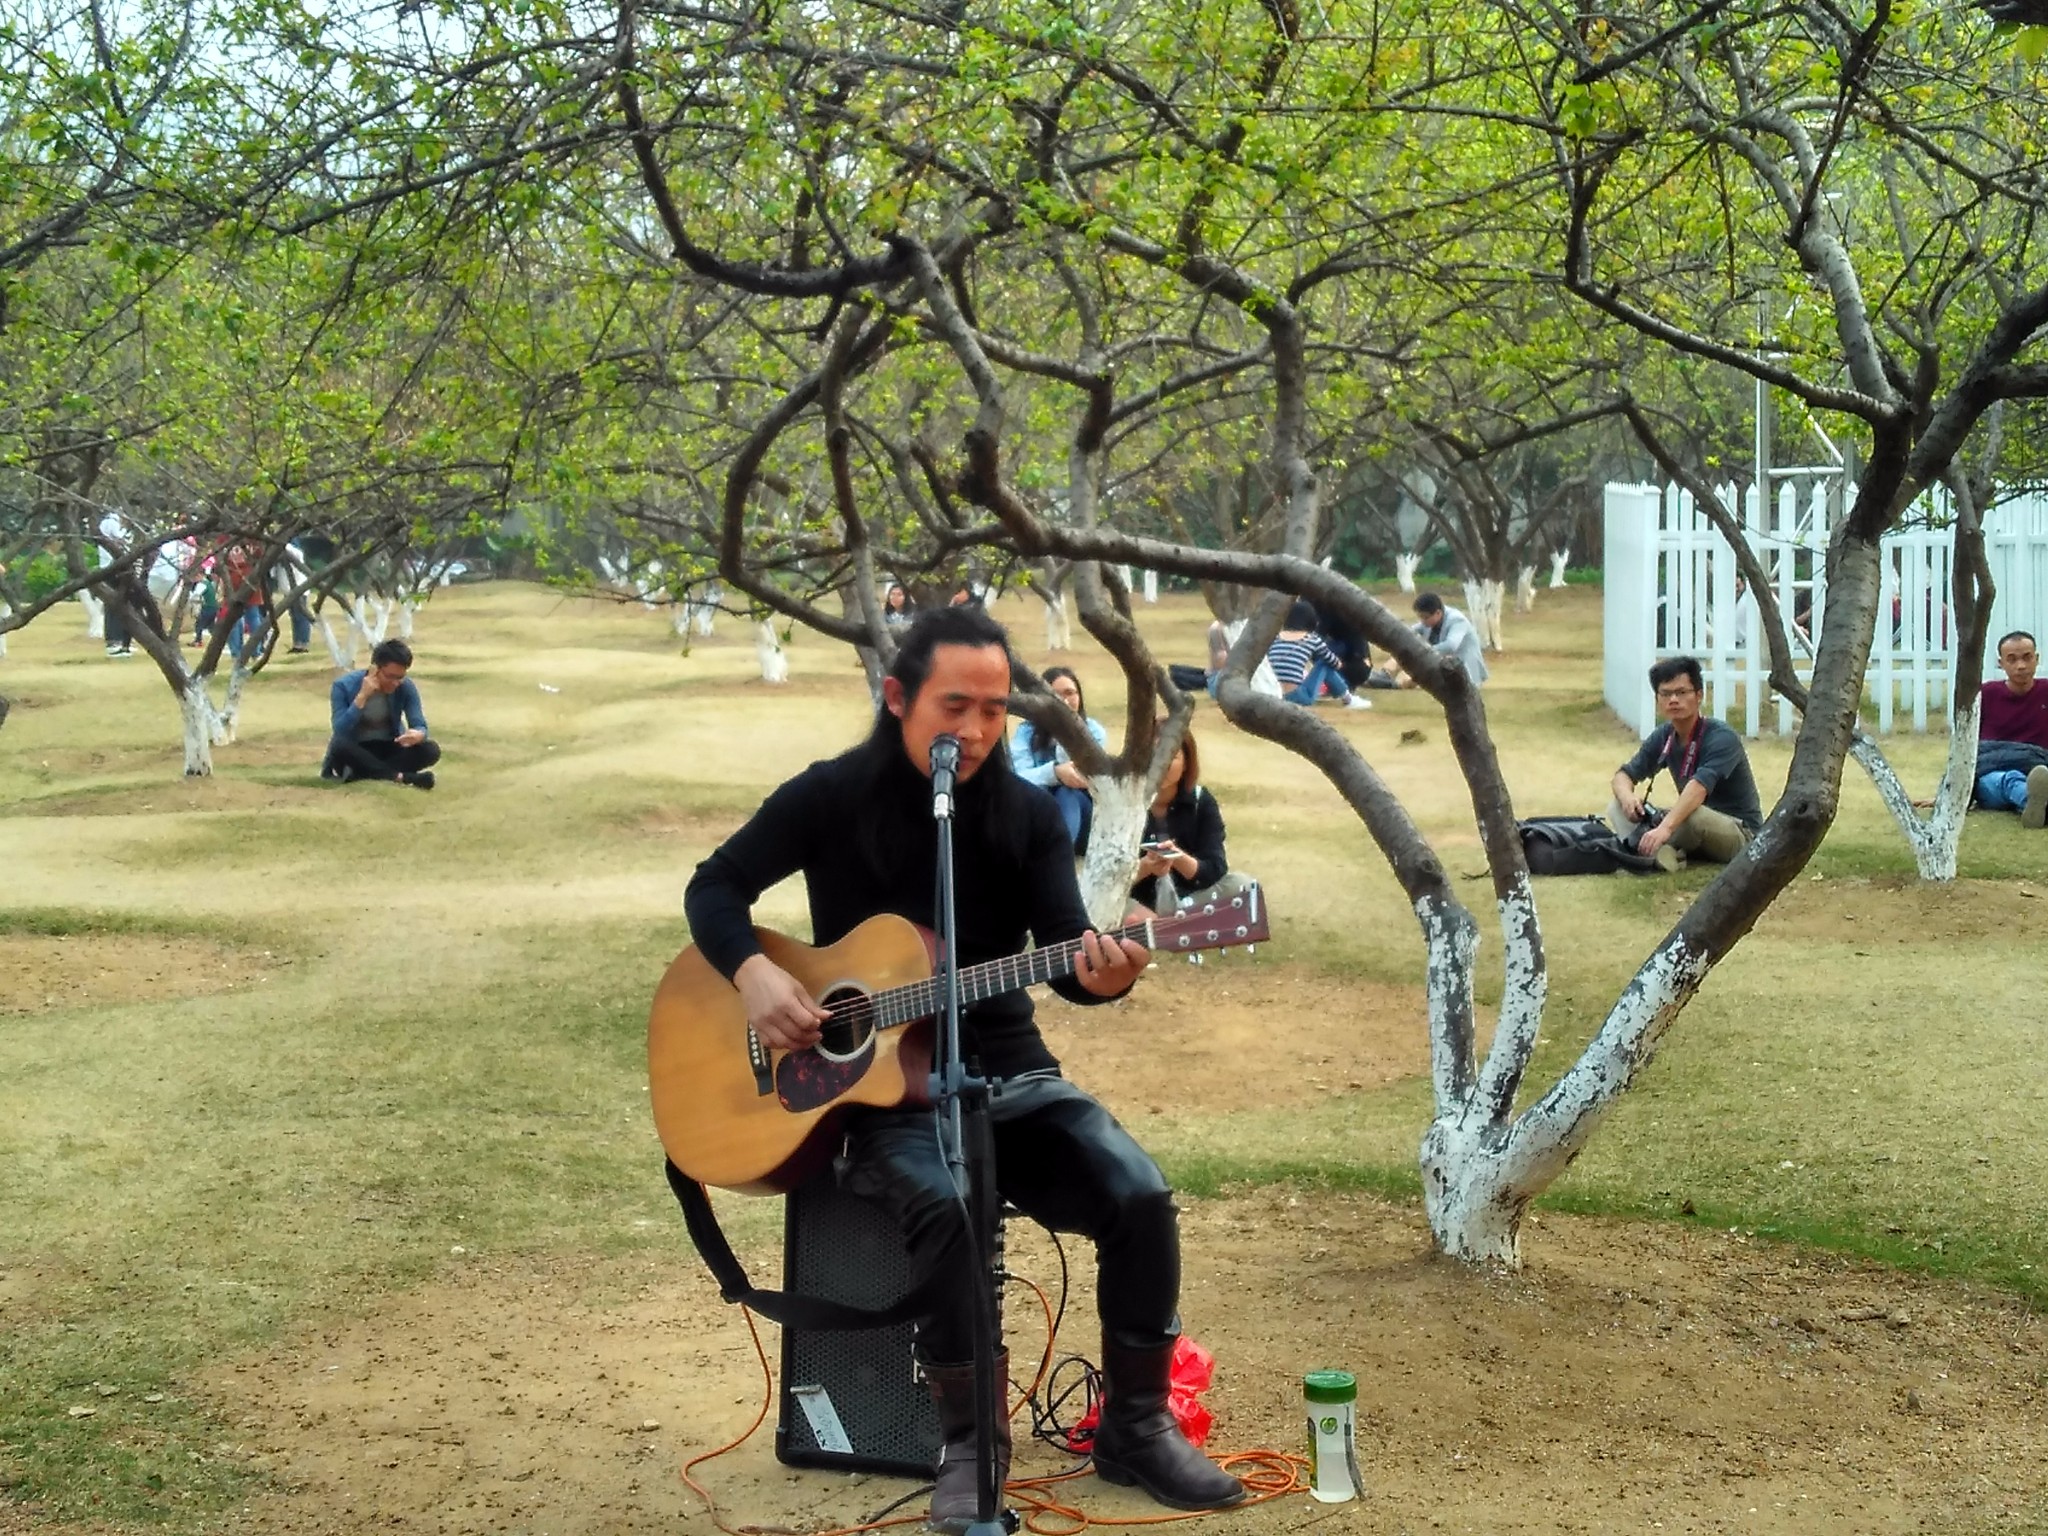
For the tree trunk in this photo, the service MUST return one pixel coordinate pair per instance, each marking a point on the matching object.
(703, 610)
(407, 608)
(1525, 590)
(1059, 629)
(1484, 599)
(95, 616)
(342, 656)
(1112, 861)
(196, 709)
(1405, 563)
(1481, 1169)
(768, 648)
(1559, 559)
(370, 631)
(229, 713)
(1936, 838)
(1151, 586)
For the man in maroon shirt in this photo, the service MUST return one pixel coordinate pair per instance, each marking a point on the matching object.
(2013, 718)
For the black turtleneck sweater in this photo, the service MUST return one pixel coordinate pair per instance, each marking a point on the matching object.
(859, 827)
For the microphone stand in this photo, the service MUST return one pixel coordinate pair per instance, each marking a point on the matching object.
(960, 1102)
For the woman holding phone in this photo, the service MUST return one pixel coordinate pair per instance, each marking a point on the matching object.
(1183, 834)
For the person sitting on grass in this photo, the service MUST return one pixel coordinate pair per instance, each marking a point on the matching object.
(2012, 734)
(1305, 664)
(1717, 811)
(1040, 759)
(380, 731)
(1448, 632)
(1182, 851)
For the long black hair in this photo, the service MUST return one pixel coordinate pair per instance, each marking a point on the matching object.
(1044, 745)
(987, 804)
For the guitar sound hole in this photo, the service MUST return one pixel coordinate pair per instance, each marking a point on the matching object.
(846, 1034)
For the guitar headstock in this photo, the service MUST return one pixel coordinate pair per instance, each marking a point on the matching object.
(1222, 922)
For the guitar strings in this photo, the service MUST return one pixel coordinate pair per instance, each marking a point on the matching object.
(862, 1010)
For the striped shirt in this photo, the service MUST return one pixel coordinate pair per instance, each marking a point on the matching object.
(1292, 659)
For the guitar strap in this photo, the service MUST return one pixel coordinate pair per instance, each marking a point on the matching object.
(784, 1307)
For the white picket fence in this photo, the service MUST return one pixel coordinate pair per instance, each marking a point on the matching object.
(1671, 590)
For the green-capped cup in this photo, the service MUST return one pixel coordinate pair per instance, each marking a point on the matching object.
(1332, 1435)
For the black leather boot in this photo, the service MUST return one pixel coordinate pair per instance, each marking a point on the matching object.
(954, 1500)
(1139, 1444)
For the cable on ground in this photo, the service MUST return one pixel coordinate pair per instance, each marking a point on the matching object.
(1266, 1474)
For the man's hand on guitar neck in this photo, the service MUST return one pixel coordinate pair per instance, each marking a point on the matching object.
(1109, 967)
(784, 1016)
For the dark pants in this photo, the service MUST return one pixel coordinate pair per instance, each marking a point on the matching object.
(1062, 1159)
(378, 759)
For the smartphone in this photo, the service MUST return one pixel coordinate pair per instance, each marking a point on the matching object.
(1158, 846)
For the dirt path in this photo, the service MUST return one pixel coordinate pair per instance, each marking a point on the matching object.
(46, 971)
(1634, 1378)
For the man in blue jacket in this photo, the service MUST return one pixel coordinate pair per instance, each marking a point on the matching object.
(380, 731)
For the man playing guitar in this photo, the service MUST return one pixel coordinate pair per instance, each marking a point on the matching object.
(859, 826)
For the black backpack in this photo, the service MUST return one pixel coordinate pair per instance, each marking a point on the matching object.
(1577, 845)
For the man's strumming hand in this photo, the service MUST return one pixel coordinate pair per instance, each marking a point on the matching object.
(782, 1013)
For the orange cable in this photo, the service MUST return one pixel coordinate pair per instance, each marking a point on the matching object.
(1272, 1474)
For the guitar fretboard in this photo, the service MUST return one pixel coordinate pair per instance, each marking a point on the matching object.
(992, 978)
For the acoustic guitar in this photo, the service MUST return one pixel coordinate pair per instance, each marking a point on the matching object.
(732, 1112)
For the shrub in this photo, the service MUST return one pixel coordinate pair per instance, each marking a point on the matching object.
(44, 575)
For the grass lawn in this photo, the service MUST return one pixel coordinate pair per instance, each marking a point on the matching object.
(270, 1047)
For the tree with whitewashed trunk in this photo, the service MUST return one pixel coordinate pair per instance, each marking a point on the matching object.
(1484, 1159)
(1494, 498)
(1559, 559)
(1048, 582)
(1935, 836)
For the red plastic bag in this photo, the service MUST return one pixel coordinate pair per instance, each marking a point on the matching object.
(1189, 1376)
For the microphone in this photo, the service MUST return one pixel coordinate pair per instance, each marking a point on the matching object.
(945, 765)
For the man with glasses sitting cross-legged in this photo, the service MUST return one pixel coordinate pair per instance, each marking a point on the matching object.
(1716, 812)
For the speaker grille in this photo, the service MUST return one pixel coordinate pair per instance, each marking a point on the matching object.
(840, 1247)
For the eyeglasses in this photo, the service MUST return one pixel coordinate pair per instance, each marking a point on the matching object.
(1676, 693)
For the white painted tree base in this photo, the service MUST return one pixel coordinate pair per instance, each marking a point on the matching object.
(1936, 838)
(1482, 1164)
(1484, 600)
(343, 656)
(1405, 566)
(1559, 559)
(95, 616)
(195, 710)
(1525, 590)
(768, 651)
(1059, 632)
(1112, 860)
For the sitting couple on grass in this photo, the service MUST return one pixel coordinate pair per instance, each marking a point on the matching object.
(380, 731)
